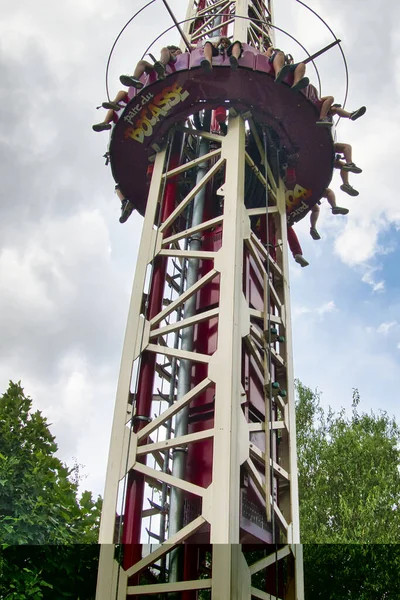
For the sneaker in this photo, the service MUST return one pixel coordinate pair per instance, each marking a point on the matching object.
(300, 85)
(126, 210)
(282, 73)
(112, 106)
(206, 65)
(101, 126)
(358, 113)
(314, 234)
(324, 122)
(234, 62)
(352, 168)
(299, 258)
(159, 69)
(346, 187)
(130, 81)
(338, 210)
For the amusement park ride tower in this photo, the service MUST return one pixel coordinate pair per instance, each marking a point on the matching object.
(203, 445)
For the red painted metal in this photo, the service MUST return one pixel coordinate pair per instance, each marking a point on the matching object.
(144, 395)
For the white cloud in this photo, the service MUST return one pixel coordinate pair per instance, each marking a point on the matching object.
(357, 243)
(328, 307)
(67, 264)
(384, 328)
(368, 277)
(300, 310)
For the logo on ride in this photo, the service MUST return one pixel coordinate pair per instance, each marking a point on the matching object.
(296, 203)
(143, 117)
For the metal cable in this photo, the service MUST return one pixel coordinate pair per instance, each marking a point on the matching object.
(341, 50)
(116, 40)
(263, 21)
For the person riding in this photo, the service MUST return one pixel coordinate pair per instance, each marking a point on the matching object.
(219, 46)
(282, 68)
(168, 57)
(314, 213)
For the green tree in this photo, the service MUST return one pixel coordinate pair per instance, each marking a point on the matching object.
(48, 535)
(349, 488)
(352, 571)
(349, 478)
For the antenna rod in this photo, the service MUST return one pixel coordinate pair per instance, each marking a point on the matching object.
(178, 26)
(321, 51)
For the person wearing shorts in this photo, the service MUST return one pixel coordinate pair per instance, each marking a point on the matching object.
(219, 46)
(314, 214)
(168, 56)
(345, 166)
(276, 58)
(113, 108)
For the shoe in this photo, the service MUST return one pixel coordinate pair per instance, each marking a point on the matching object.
(358, 113)
(206, 65)
(314, 234)
(112, 106)
(299, 258)
(282, 73)
(234, 62)
(130, 81)
(346, 187)
(101, 126)
(126, 210)
(159, 69)
(352, 168)
(324, 122)
(300, 85)
(338, 210)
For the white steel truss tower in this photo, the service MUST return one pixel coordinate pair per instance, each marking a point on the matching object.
(248, 449)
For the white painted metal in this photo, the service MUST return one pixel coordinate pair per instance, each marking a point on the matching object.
(234, 452)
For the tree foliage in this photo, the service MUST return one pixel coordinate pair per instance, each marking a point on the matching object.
(349, 479)
(44, 525)
(349, 488)
(352, 571)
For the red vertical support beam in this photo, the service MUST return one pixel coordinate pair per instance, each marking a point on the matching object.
(144, 396)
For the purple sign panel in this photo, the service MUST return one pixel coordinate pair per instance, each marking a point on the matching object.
(161, 105)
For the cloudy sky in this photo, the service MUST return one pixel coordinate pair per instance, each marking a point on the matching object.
(66, 264)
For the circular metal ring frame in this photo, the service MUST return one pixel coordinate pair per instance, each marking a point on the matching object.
(236, 17)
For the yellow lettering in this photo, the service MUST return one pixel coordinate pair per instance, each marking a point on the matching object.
(300, 192)
(135, 134)
(156, 112)
(290, 199)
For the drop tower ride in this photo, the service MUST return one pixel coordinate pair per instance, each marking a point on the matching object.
(202, 457)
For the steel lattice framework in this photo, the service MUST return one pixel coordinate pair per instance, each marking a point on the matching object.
(202, 277)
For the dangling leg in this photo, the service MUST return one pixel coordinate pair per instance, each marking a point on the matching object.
(330, 196)
(115, 104)
(324, 120)
(314, 214)
(159, 65)
(346, 187)
(356, 114)
(295, 247)
(206, 63)
(300, 82)
(346, 150)
(281, 70)
(235, 54)
(126, 205)
(134, 80)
